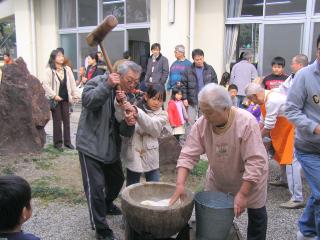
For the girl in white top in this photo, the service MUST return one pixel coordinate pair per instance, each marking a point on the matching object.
(141, 151)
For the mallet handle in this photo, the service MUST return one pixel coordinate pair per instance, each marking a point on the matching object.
(106, 58)
(109, 65)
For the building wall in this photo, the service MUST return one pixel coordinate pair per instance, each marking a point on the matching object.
(155, 21)
(22, 15)
(36, 30)
(46, 32)
(169, 34)
(6, 8)
(208, 29)
(209, 32)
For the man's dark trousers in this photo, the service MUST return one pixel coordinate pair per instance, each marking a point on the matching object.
(102, 184)
(257, 224)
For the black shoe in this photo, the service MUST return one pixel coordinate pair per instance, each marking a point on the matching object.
(70, 146)
(112, 209)
(106, 234)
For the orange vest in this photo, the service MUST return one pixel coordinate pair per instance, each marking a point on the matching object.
(282, 138)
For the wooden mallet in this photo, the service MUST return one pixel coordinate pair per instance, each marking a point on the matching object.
(96, 37)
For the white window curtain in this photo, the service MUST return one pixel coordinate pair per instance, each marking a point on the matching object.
(67, 12)
(233, 10)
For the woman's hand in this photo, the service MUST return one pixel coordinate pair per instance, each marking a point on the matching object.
(240, 204)
(178, 194)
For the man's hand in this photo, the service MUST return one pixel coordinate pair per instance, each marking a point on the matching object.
(121, 96)
(178, 194)
(185, 102)
(130, 118)
(113, 79)
(127, 106)
(317, 130)
(57, 98)
(130, 113)
(240, 204)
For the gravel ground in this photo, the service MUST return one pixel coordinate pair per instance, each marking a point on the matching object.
(61, 221)
(56, 220)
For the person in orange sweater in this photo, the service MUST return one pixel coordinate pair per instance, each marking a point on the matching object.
(7, 58)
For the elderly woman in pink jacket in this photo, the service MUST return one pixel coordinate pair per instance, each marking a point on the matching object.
(238, 162)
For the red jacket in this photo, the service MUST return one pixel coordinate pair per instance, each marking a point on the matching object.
(173, 113)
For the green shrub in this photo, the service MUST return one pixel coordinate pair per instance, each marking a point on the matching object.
(200, 169)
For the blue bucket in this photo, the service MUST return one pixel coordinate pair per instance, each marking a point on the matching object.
(214, 215)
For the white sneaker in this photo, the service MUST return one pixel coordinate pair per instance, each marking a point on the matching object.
(292, 205)
(301, 237)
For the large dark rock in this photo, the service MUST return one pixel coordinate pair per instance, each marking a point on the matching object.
(24, 110)
(169, 148)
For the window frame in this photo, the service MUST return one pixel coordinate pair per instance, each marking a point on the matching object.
(124, 10)
(308, 20)
(87, 29)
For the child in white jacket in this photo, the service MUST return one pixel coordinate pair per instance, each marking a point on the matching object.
(141, 151)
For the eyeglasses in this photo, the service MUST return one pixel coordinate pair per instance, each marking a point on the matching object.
(132, 81)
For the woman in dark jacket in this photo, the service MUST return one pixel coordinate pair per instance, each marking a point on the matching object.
(94, 69)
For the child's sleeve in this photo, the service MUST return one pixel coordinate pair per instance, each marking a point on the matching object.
(272, 109)
(152, 125)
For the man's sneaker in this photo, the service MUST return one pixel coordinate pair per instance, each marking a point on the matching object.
(292, 205)
(112, 209)
(301, 237)
(279, 183)
(105, 234)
